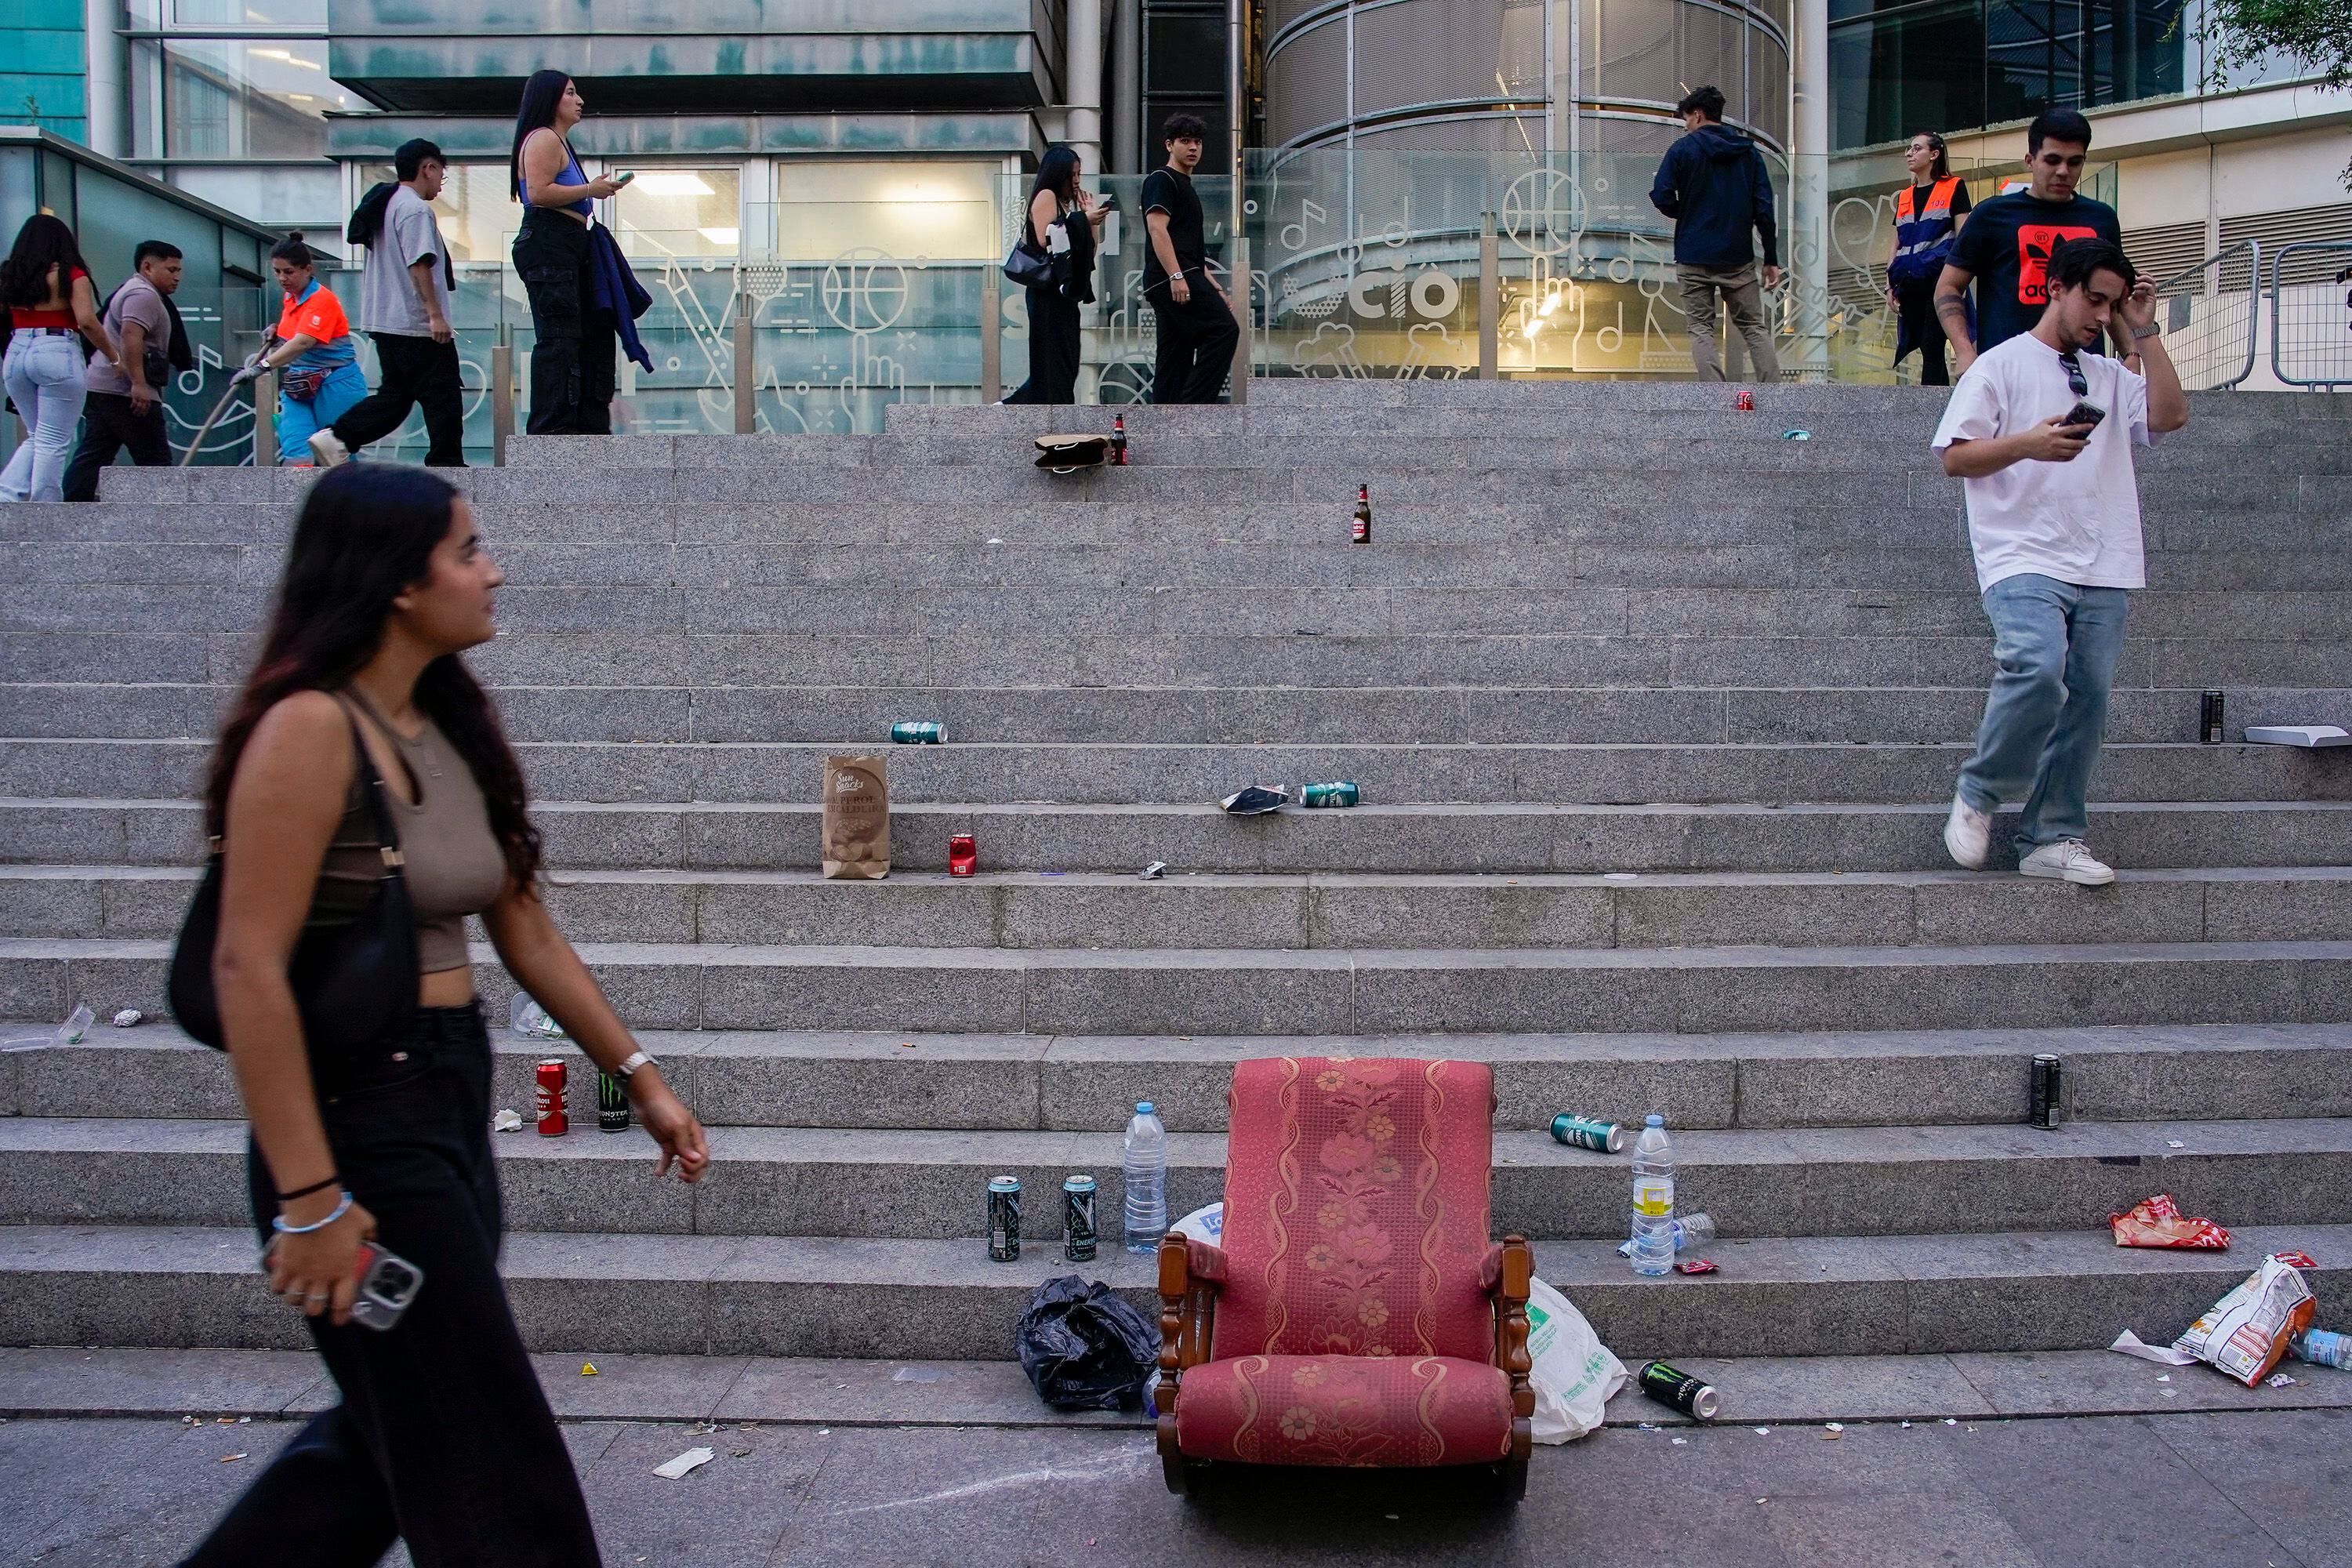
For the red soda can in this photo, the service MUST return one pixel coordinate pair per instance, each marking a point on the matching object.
(1745, 402)
(552, 1122)
(963, 855)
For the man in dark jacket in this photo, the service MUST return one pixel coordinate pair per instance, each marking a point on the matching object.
(1712, 183)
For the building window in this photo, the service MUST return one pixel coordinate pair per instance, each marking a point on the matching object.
(234, 97)
(900, 209)
(669, 211)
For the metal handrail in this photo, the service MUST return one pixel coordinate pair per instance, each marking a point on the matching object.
(2279, 285)
(2205, 287)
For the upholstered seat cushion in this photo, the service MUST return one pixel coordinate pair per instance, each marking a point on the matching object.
(1345, 1410)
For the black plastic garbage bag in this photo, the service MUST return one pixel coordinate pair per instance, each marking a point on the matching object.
(1085, 1348)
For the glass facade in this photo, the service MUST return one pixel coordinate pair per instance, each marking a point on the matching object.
(1954, 65)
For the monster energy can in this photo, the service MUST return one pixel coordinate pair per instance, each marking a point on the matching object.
(1679, 1389)
(919, 732)
(1078, 1218)
(1004, 1218)
(1588, 1133)
(612, 1104)
(1339, 792)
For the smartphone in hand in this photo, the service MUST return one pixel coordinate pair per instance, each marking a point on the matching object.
(388, 1283)
(2085, 412)
(623, 177)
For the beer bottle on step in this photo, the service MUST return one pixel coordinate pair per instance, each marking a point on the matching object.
(1360, 531)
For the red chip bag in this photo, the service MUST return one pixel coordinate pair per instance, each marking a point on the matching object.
(2158, 1222)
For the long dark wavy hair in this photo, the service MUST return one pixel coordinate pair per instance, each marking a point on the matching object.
(541, 95)
(44, 242)
(366, 535)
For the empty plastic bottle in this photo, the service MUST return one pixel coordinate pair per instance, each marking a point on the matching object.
(1689, 1230)
(1146, 1180)
(2322, 1347)
(1653, 1199)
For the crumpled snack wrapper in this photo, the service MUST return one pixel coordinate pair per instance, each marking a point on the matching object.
(2158, 1222)
(2246, 1332)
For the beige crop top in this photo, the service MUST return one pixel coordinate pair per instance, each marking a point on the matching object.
(454, 866)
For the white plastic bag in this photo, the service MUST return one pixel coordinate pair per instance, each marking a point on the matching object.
(1574, 1375)
(1206, 1224)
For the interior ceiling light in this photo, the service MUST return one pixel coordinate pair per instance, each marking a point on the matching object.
(672, 184)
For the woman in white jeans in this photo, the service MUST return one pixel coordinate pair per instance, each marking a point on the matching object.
(52, 308)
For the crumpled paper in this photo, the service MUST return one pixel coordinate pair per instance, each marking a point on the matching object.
(2158, 1222)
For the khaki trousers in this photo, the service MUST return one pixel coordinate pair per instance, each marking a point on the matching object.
(1744, 294)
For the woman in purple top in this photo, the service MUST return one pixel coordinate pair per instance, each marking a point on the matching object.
(573, 354)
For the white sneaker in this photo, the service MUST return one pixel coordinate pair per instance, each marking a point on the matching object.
(329, 450)
(2071, 860)
(1966, 832)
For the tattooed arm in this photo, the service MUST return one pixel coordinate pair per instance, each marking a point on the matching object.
(1952, 311)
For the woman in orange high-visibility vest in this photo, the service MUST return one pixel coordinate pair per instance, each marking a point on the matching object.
(1927, 217)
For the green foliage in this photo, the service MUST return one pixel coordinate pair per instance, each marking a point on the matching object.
(2316, 33)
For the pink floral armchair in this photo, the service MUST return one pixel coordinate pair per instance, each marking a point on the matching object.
(1357, 1312)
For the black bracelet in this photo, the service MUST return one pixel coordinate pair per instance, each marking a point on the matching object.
(306, 1192)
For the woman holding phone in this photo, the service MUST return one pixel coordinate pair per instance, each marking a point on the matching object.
(442, 1438)
(574, 339)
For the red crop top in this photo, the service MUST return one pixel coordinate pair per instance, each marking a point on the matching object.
(31, 316)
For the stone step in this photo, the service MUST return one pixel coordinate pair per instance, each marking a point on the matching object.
(861, 716)
(1510, 838)
(1951, 610)
(1703, 990)
(1477, 661)
(116, 1286)
(932, 1185)
(1077, 1083)
(750, 770)
(1339, 910)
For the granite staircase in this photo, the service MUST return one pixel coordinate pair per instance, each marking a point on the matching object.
(1656, 713)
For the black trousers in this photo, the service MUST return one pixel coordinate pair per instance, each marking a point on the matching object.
(1196, 342)
(1053, 349)
(444, 1438)
(575, 353)
(1924, 327)
(109, 427)
(417, 371)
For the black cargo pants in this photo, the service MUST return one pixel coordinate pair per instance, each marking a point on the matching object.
(574, 351)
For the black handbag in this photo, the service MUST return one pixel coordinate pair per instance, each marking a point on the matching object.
(354, 985)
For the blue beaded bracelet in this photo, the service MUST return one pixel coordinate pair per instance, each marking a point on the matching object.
(278, 1222)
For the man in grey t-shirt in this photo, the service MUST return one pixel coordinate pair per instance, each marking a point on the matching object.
(404, 307)
(125, 409)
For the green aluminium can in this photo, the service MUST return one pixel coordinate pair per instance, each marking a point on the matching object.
(919, 732)
(1338, 792)
(1679, 1389)
(1588, 1133)
(1078, 1235)
(612, 1103)
(1005, 1219)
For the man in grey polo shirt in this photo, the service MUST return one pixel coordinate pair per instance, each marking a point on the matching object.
(404, 307)
(125, 408)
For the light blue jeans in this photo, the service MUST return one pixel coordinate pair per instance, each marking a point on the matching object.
(2056, 645)
(47, 376)
(298, 422)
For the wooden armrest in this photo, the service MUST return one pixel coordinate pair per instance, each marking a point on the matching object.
(1512, 1269)
(1189, 1273)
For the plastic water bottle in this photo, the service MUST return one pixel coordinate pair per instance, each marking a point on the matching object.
(1653, 1199)
(1690, 1230)
(2322, 1347)
(1147, 1181)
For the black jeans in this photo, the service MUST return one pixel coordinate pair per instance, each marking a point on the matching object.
(575, 353)
(444, 1438)
(1196, 342)
(111, 427)
(1053, 349)
(1925, 328)
(416, 371)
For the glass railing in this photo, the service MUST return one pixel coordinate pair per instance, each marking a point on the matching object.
(1370, 265)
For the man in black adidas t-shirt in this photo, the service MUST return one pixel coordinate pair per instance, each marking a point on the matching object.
(1196, 329)
(2007, 243)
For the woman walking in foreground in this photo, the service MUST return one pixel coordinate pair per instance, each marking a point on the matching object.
(442, 1438)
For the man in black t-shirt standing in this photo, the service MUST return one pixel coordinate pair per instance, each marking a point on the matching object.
(2008, 242)
(1196, 329)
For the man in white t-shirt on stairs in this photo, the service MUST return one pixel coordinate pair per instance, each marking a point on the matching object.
(2054, 516)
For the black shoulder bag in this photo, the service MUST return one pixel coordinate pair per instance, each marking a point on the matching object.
(354, 984)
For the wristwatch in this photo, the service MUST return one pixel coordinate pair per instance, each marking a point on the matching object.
(626, 1067)
(2149, 331)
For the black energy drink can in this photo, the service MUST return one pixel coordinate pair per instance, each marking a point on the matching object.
(1005, 1219)
(612, 1104)
(2208, 718)
(1078, 1235)
(2047, 1107)
(1679, 1389)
